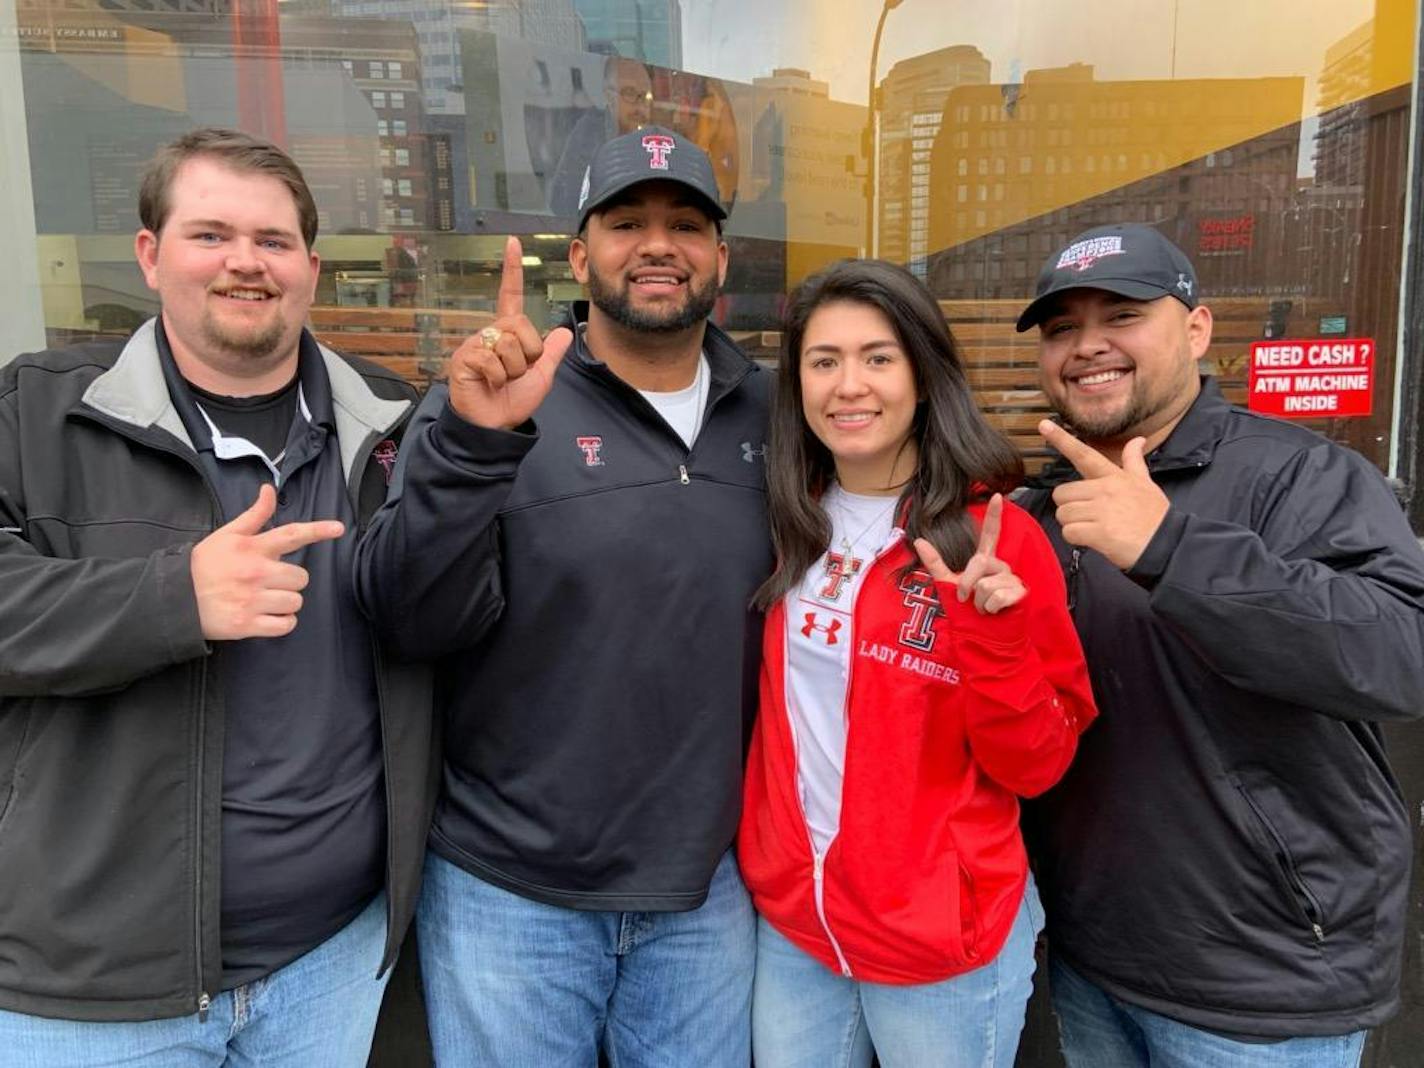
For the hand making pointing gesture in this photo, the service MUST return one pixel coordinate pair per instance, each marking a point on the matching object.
(1113, 509)
(243, 587)
(499, 376)
(986, 578)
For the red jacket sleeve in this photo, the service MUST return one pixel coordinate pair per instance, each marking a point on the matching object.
(1027, 694)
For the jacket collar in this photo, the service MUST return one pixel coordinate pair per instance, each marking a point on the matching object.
(134, 392)
(1191, 444)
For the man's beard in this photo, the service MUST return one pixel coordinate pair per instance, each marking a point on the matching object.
(254, 344)
(616, 305)
(1109, 426)
(1141, 407)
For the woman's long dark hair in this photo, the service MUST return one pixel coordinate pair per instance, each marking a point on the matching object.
(960, 456)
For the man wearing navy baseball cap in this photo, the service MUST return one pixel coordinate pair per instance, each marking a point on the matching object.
(1131, 261)
(578, 529)
(650, 154)
(1225, 865)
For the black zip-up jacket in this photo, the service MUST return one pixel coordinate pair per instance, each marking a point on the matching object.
(1230, 847)
(590, 587)
(111, 730)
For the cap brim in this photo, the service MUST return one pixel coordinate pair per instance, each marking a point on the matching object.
(712, 207)
(1123, 287)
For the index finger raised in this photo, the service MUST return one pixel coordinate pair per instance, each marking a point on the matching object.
(510, 300)
(993, 522)
(1087, 460)
(290, 537)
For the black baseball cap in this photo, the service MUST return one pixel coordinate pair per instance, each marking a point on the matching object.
(1128, 259)
(651, 154)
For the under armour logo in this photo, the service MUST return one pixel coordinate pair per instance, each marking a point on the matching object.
(750, 454)
(590, 447)
(828, 629)
(385, 455)
(658, 146)
(1184, 284)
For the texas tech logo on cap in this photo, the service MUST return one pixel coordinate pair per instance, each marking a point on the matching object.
(658, 146)
(1081, 255)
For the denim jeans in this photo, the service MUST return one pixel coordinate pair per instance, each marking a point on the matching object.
(1101, 1031)
(806, 1016)
(319, 1011)
(520, 984)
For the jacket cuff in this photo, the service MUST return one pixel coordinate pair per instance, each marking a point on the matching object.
(177, 609)
(1152, 564)
(481, 447)
(1003, 630)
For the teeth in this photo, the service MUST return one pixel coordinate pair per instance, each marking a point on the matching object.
(247, 294)
(1101, 377)
(853, 418)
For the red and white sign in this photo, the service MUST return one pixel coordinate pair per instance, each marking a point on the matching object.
(1312, 379)
(1236, 233)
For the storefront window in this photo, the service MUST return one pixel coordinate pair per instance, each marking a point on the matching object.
(1269, 140)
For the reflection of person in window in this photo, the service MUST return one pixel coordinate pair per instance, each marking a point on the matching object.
(713, 126)
(628, 105)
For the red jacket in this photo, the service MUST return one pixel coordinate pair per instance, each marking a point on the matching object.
(951, 715)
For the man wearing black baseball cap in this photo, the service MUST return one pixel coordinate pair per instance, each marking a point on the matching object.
(1225, 866)
(1129, 260)
(580, 536)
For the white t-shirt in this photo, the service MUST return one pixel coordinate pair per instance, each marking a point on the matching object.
(818, 651)
(683, 408)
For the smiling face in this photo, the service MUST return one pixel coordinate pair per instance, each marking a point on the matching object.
(1117, 368)
(858, 395)
(233, 275)
(652, 260)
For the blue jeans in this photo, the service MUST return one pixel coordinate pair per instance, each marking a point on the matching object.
(317, 1012)
(1101, 1031)
(520, 984)
(806, 1016)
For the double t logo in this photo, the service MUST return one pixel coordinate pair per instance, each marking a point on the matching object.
(658, 146)
(838, 569)
(590, 444)
(918, 631)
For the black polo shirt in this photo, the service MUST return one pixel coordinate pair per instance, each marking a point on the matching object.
(304, 823)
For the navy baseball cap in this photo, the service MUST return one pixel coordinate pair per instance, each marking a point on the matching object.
(650, 154)
(1128, 259)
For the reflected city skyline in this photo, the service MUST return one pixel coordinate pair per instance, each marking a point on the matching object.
(429, 129)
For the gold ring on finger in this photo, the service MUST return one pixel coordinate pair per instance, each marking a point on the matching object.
(490, 335)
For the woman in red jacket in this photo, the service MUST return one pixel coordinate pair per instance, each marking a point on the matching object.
(920, 674)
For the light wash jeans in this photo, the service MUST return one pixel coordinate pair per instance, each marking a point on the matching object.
(1101, 1031)
(520, 984)
(317, 1012)
(806, 1016)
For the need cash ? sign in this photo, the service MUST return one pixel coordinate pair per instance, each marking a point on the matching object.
(1313, 378)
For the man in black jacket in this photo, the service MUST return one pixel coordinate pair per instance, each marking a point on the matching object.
(214, 784)
(1225, 866)
(578, 524)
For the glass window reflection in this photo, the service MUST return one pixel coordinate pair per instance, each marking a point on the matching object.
(964, 141)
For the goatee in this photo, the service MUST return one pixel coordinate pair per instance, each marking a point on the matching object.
(255, 344)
